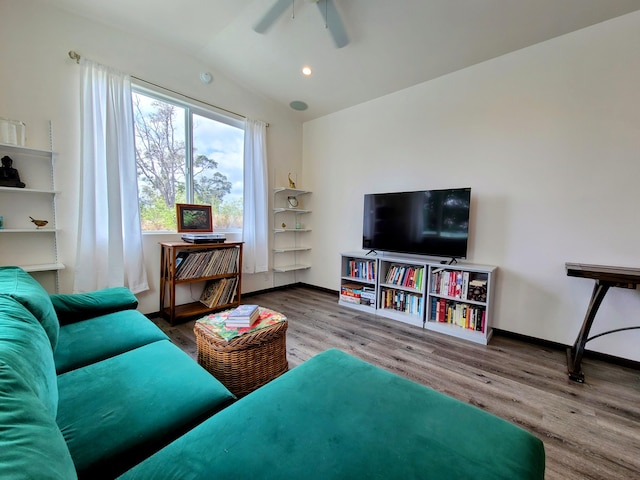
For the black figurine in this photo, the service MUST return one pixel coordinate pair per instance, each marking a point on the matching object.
(9, 176)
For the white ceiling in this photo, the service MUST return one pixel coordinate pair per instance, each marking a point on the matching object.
(393, 44)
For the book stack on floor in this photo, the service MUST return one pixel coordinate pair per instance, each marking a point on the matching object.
(242, 316)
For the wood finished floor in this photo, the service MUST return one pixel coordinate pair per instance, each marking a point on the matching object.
(590, 430)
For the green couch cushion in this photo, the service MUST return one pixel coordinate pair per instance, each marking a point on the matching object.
(18, 284)
(76, 307)
(96, 339)
(114, 413)
(31, 445)
(25, 347)
(337, 417)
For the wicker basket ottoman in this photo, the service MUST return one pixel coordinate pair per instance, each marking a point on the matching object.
(245, 362)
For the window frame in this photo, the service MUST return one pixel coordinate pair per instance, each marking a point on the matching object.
(191, 107)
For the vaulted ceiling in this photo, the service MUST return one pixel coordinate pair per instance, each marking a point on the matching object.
(392, 44)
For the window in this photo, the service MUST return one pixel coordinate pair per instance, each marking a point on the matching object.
(186, 154)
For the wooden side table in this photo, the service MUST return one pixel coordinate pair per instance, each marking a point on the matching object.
(248, 361)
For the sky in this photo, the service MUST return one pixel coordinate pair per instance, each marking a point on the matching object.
(218, 141)
(225, 144)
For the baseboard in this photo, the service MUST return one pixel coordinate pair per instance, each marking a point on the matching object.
(321, 289)
(269, 290)
(290, 286)
(623, 362)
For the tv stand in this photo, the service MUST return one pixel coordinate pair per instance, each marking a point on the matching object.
(454, 300)
(371, 251)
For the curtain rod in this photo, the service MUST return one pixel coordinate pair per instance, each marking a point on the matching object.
(76, 56)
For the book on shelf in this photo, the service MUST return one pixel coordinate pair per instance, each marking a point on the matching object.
(243, 316)
(368, 293)
(457, 289)
(470, 317)
(180, 257)
(405, 276)
(351, 289)
(477, 290)
(362, 269)
(401, 301)
(458, 284)
(465, 285)
(359, 294)
(219, 292)
(206, 263)
(350, 292)
(366, 301)
(212, 292)
(349, 299)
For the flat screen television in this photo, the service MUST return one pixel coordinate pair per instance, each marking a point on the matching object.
(427, 222)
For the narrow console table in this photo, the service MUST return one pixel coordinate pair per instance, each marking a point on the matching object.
(605, 277)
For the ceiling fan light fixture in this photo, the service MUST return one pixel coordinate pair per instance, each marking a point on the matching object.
(298, 105)
(306, 71)
(327, 8)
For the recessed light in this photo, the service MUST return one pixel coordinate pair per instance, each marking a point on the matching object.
(298, 105)
(306, 71)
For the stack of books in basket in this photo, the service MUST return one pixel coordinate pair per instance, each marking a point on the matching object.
(242, 316)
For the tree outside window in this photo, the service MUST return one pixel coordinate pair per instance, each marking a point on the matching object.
(186, 154)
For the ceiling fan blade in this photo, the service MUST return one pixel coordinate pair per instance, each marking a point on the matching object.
(272, 15)
(333, 22)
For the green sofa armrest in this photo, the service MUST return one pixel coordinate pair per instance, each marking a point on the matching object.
(75, 307)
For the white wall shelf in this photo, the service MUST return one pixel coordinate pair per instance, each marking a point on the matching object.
(290, 268)
(44, 267)
(28, 230)
(21, 243)
(291, 249)
(290, 210)
(28, 190)
(290, 191)
(288, 232)
(284, 230)
(16, 149)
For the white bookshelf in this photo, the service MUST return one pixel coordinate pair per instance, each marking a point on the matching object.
(420, 303)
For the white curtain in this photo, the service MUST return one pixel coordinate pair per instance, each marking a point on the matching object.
(255, 226)
(109, 252)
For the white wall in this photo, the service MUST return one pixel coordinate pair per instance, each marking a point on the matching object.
(39, 82)
(549, 140)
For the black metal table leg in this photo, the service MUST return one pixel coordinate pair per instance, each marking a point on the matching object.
(576, 352)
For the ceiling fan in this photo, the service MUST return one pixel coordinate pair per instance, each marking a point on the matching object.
(327, 8)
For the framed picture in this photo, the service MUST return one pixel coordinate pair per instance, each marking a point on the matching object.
(194, 218)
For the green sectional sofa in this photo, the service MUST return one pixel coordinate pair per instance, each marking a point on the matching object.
(338, 417)
(90, 388)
